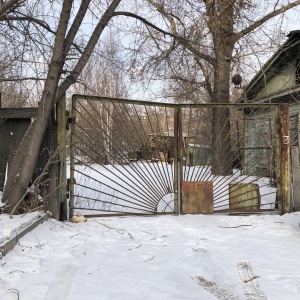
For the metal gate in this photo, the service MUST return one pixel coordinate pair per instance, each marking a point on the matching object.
(138, 157)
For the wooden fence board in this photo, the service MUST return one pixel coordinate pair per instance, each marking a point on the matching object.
(13, 127)
(4, 149)
(295, 177)
(54, 195)
(18, 113)
(18, 128)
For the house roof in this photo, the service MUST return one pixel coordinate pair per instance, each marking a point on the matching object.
(279, 58)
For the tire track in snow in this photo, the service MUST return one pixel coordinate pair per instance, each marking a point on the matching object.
(218, 291)
(217, 275)
(249, 282)
(61, 284)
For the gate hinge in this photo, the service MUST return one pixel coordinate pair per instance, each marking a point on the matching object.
(69, 181)
(69, 120)
(68, 189)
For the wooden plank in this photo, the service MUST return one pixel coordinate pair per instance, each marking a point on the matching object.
(295, 177)
(4, 149)
(17, 131)
(284, 182)
(61, 139)
(50, 186)
(18, 113)
(197, 197)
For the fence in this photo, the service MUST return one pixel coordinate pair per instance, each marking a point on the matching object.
(14, 123)
(139, 157)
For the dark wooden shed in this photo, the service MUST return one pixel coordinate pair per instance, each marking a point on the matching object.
(14, 123)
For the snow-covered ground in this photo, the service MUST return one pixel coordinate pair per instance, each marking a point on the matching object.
(10, 227)
(166, 257)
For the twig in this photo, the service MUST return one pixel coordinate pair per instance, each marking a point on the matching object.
(149, 259)
(31, 210)
(16, 292)
(254, 277)
(136, 247)
(130, 235)
(16, 271)
(235, 226)
(37, 180)
(38, 241)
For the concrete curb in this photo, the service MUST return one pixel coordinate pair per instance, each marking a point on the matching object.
(8, 245)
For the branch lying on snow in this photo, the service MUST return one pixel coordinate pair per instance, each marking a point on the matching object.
(31, 210)
(15, 291)
(38, 179)
(149, 259)
(254, 277)
(16, 271)
(140, 245)
(235, 226)
(118, 229)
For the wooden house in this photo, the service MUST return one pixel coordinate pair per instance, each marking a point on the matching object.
(278, 81)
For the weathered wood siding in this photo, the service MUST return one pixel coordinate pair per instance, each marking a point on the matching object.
(13, 127)
(283, 80)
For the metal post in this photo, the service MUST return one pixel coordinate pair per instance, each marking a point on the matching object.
(176, 169)
(180, 157)
(72, 158)
(61, 137)
(283, 158)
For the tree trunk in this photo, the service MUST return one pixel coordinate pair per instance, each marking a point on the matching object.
(221, 139)
(22, 167)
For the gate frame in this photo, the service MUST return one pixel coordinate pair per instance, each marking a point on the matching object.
(281, 133)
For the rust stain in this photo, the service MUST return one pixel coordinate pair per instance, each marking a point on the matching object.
(244, 196)
(197, 197)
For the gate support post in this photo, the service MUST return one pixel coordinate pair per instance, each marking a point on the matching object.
(72, 157)
(61, 139)
(180, 162)
(283, 158)
(176, 160)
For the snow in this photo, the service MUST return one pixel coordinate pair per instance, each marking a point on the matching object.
(121, 188)
(164, 257)
(9, 227)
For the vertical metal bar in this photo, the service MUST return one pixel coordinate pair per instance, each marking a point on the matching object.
(72, 158)
(285, 180)
(180, 158)
(61, 137)
(176, 119)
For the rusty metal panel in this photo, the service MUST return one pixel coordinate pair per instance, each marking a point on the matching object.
(244, 196)
(197, 197)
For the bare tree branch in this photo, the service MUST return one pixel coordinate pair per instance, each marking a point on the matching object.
(21, 79)
(88, 49)
(75, 25)
(263, 20)
(181, 40)
(8, 6)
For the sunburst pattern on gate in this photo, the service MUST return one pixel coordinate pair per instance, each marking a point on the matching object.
(123, 157)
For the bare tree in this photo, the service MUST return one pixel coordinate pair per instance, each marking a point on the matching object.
(23, 164)
(209, 32)
(102, 76)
